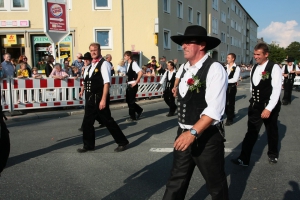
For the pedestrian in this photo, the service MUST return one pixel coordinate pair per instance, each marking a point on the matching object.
(201, 87)
(121, 68)
(23, 59)
(169, 77)
(288, 72)
(265, 86)
(108, 58)
(78, 62)
(163, 62)
(58, 73)
(97, 83)
(233, 72)
(87, 59)
(8, 69)
(49, 66)
(134, 74)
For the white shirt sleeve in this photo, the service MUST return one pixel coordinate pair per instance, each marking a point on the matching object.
(282, 69)
(215, 95)
(163, 78)
(135, 67)
(236, 75)
(276, 85)
(105, 71)
(180, 70)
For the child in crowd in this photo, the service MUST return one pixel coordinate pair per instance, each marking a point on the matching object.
(76, 72)
(23, 73)
(36, 75)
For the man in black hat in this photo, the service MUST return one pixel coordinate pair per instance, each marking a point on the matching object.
(97, 82)
(265, 86)
(233, 72)
(288, 72)
(201, 85)
(87, 59)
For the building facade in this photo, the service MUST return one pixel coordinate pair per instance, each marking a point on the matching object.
(142, 26)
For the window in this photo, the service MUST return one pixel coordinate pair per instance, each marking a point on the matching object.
(102, 4)
(232, 24)
(167, 42)
(223, 17)
(179, 47)
(215, 25)
(222, 56)
(166, 6)
(199, 18)
(179, 10)
(215, 4)
(223, 37)
(15, 5)
(224, 1)
(104, 37)
(190, 15)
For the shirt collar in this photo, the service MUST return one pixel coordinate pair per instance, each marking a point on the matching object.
(198, 65)
(234, 65)
(263, 65)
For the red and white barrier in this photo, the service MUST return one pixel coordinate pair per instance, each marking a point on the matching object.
(20, 94)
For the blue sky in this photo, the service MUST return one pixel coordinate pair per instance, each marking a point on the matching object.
(278, 20)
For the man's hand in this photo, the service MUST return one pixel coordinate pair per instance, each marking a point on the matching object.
(102, 104)
(174, 91)
(80, 94)
(133, 84)
(285, 75)
(184, 141)
(265, 114)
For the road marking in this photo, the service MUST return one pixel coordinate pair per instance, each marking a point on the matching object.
(168, 150)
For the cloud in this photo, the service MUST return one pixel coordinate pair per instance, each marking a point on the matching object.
(281, 33)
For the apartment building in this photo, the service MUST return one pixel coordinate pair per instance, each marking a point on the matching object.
(142, 26)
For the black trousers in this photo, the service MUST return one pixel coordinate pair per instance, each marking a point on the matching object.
(254, 124)
(92, 111)
(207, 153)
(230, 101)
(170, 100)
(4, 143)
(288, 88)
(130, 100)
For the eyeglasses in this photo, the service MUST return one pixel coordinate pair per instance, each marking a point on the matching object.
(188, 42)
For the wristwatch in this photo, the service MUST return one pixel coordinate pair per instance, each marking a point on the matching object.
(194, 132)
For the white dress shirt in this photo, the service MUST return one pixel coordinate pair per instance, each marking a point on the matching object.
(105, 71)
(216, 85)
(236, 74)
(135, 67)
(289, 68)
(276, 83)
(165, 76)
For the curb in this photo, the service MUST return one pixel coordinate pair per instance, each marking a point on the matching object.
(59, 114)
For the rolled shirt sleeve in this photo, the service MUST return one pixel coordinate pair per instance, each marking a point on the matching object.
(276, 85)
(236, 75)
(105, 71)
(163, 78)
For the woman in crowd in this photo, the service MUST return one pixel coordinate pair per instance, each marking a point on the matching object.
(49, 65)
(121, 68)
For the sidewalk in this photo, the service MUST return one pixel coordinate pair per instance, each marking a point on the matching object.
(68, 111)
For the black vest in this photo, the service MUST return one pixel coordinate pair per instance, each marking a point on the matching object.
(170, 83)
(262, 92)
(132, 76)
(290, 76)
(230, 75)
(94, 84)
(192, 104)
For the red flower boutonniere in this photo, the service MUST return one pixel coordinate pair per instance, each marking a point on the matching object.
(194, 83)
(265, 75)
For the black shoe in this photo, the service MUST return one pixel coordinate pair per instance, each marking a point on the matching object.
(101, 125)
(121, 148)
(170, 114)
(130, 120)
(272, 160)
(238, 161)
(228, 122)
(139, 114)
(80, 129)
(83, 150)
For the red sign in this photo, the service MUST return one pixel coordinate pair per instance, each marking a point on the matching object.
(57, 20)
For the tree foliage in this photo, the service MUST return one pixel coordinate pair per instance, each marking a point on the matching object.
(293, 50)
(277, 54)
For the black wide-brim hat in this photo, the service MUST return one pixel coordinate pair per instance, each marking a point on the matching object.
(199, 34)
(290, 59)
(86, 56)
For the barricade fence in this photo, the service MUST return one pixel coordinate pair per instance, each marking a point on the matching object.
(29, 93)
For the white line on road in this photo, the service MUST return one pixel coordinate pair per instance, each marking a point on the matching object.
(168, 150)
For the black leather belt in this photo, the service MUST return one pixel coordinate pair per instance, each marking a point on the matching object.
(231, 84)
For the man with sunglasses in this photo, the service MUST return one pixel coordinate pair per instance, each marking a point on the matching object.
(201, 85)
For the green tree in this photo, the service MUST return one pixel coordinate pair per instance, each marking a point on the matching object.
(293, 50)
(277, 53)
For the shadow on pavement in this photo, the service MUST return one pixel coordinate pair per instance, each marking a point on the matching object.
(293, 194)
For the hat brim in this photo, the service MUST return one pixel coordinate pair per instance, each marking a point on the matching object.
(211, 42)
(85, 58)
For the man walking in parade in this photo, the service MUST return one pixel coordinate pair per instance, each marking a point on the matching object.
(201, 86)
(97, 83)
(134, 74)
(288, 72)
(265, 86)
(233, 72)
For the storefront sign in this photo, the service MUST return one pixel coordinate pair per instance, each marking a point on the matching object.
(11, 39)
(14, 23)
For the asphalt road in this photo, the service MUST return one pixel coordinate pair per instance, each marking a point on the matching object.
(44, 164)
